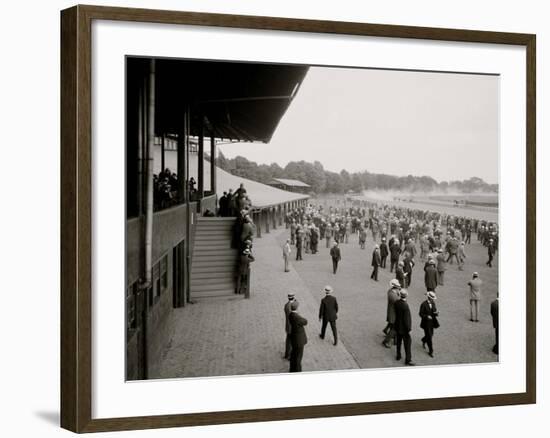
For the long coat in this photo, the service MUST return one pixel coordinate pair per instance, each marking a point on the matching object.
(335, 253)
(384, 250)
(393, 297)
(430, 277)
(402, 323)
(376, 260)
(329, 308)
(298, 336)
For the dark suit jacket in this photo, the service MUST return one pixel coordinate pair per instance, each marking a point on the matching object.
(424, 312)
(329, 308)
(287, 313)
(298, 336)
(335, 253)
(376, 260)
(430, 277)
(384, 250)
(494, 313)
(402, 317)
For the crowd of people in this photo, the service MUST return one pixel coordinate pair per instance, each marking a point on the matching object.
(407, 236)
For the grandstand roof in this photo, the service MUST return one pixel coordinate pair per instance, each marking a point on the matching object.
(260, 194)
(290, 182)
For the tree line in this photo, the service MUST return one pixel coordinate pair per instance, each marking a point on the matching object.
(325, 181)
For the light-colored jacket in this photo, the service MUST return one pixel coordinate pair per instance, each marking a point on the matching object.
(286, 250)
(475, 288)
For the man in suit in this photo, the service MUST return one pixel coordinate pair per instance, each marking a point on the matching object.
(430, 276)
(441, 266)
(400, 274)
(375, 263)
(328, 313)
(244, 264)
(395, 251)
(494, 314)
(298, 338)
(384, 251)
(428, 321)
(224, 205)
(286, 254)
(287, 310)
(408, 264)
(299, 242)
(475, 296)
(403, 327)
(393, 297)
(491, 252)
(336, 256)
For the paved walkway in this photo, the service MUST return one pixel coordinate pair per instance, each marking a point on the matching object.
(238, 336)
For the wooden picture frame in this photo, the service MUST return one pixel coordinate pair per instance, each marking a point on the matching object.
(76, 217)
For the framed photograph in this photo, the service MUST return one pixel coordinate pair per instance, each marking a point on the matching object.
(268, 218)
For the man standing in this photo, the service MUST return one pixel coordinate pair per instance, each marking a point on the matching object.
(298, 338)
(293, 232)
(403, 327)
(441, 266)
(224, 205)
(408, 264)
(395, 250)
(430, 276)
(287, 310)
(393, 297)
(475, 296)
(383, 253)
(286, 254)
(494, 314)
(375, 263)
(328, 313)
(299, 242)
(244, 268)
(336, 256)
(490, 252)
(428, 321)
(400, 274)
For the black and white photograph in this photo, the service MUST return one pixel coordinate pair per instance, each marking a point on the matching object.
(298, 218)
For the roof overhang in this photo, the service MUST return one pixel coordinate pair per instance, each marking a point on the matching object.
(228, 100)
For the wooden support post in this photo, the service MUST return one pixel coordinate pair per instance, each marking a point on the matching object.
(258, 223)
(213, 173)
(162, 151)
(266, 214)
(182, 160)
(201, 161)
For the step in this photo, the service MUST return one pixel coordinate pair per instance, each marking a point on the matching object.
(213, 250)
(214, 293)
(206, 230)
(224, 297)
(214, 257)
(216, 219)
(221, 224)
(213, 245)
(212, 265)
(227, 275)
(207, 269)
(206, 237)
(213, 287)
(219, 283)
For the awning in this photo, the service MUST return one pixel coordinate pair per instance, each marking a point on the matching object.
(239, 101)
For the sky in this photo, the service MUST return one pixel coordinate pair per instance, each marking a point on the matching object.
(443, 125)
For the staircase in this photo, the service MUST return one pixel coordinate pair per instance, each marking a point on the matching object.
(214, 263)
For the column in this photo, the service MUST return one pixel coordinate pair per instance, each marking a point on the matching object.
(213, 173)
(200, 156)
